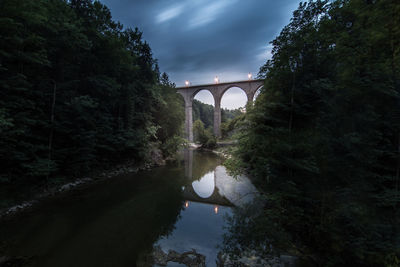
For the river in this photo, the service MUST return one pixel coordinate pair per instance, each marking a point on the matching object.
(117, 222)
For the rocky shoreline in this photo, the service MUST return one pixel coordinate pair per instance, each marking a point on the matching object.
(189, 258)
(192, 258)
(126, 168)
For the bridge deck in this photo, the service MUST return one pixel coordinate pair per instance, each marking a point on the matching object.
(218, 84)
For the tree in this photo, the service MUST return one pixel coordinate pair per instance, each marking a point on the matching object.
(203, 112)
(78, 92)
(320, 141)
(169, 115)
(203, 136)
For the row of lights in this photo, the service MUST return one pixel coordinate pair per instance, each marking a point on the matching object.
(216, 79)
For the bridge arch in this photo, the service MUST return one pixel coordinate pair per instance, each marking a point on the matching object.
(257, 92)
(195, 93)
(217, 90)
(238, 93)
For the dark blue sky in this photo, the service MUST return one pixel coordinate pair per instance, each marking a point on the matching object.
(196, 40)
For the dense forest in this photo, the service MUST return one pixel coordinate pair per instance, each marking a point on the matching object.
(78, 92)
(322, 140)
(205, 113)
(203, 123)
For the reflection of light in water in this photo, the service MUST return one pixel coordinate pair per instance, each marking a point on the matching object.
(216, 209)
(186, 204)
(204, 188)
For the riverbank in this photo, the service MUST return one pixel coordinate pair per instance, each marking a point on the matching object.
(156, 159)
(223, 148)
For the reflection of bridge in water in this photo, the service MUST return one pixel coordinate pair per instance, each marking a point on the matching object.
(189, 193)
(203, 189)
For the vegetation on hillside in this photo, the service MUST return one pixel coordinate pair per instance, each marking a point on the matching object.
(203, 112)
(203, 121)
(322, 140)
(203, 136)
(78, 91)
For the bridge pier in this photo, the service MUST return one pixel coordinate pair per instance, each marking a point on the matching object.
(217, 90)
(250, 97)
(217, 116)
(189, 120)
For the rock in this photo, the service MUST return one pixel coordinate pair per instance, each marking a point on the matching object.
(157, 157)
(20, 207)
(159, 256)
(69, 186)
(189, 258)
(248, 259)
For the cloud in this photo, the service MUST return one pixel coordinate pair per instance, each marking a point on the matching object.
(169, 14)
(265, 54)
(209, 12)
(196, 40)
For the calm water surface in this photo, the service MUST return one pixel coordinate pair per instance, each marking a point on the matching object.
(117, 222)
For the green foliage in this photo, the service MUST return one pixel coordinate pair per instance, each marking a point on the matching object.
(203, 112)
(169, 115)
(230, 114)
(203, 136)
(233, 126)
(77, 91)
(198, 130)
(211, 139)
(323, 139)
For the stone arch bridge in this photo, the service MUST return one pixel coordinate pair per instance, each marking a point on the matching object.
(217, 90)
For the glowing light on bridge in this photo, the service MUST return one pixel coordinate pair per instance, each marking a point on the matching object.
(187, 83)
(249, 76)
(216, 79)
(216, 209)
(186, 204)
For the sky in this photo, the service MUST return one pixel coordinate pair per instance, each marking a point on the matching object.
(196, 40)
